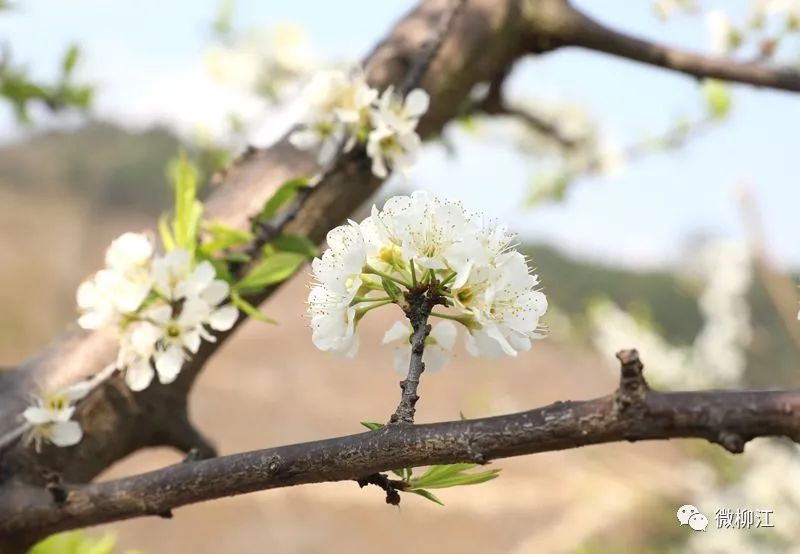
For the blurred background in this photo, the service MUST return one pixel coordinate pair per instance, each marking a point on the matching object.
(660, 214)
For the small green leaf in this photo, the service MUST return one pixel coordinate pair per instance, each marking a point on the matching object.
(70, 59)
(429, 495)
(285, 193)
(223, 237)
(449, 476)
(392, 289)
(295, 243)
(274, 269)
(237, 257)
(166, 235)
(249, 309)
(188, 210)
(371, 425)
(718, 99)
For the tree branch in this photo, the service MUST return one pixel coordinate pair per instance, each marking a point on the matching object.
(632, 413)
(567, 26)
(483, 35)
(420, 304)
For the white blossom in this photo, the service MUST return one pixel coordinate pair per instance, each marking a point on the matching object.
(342, 110)
(723, 36)
(506, 305)
(162, 308)
(430, 242)
(717, 356)
(393, 143)
(119, 290)
(50, 417)
(337, 105)
(438, 345)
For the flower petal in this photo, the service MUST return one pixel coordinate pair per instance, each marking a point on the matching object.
(65, 433)
(169, 364)
(223, 318)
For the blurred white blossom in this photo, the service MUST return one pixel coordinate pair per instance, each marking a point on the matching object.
(161, 308)
(50, 417)
(717, 357)
(342, 110)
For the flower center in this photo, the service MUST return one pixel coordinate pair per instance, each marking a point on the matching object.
(173, 330)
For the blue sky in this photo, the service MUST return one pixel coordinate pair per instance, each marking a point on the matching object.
(145, 58)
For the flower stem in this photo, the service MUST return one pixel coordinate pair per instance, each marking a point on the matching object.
(467, 321)
(413, 274)
(370, 269)
(359, 299)
(361, 312)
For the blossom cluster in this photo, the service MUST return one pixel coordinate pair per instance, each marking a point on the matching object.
(421, 242)
(161, 307)
(344, 110)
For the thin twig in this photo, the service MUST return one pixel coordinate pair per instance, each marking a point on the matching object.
(420, 304)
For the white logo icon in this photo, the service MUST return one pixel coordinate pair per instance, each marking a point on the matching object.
(698, 522)
(691, 516)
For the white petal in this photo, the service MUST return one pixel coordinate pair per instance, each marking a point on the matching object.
(36, 415)
(444, 333)
(78, 390)
(91, 321)
(400, 331)
(402, 359)
(128, 250)
(435, 358)
(139, 375)
(304, 139)
(87, 295)
(169, 364)
(191, 339)
(216, 292)
(65, 433)
(417, 102)
(194, 312)
(223, 318)
(160, 314)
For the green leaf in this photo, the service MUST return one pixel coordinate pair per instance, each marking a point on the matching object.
(717, 95)
(237, 257)
(285, 193)
(187, 210)
(371, 425)
(223, 237)
(392, 289)
(429, 495)
(295, 243)
(75, 542)
(70, 60)
(249, 309)
(274, 269)
(442, 477)
(166, 235)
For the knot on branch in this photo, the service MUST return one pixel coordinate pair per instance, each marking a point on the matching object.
(730, 441)
(388, 485)
(632, 385)
(56, 488)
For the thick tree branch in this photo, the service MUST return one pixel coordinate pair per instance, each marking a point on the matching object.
(568, 26)
(483, 35)
(632, 413)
